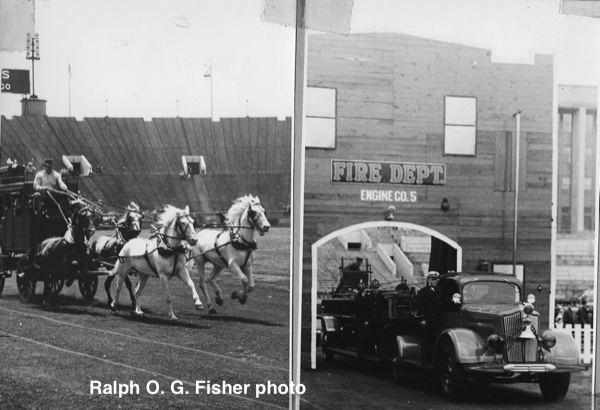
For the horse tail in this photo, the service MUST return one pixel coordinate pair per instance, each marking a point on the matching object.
(113, 271)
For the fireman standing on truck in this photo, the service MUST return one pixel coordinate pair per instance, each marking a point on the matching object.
(429, 308)
(363, 315)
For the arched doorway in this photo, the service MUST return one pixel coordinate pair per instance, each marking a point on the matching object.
(360, 237)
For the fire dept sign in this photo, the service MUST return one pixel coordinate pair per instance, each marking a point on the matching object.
(383, 172)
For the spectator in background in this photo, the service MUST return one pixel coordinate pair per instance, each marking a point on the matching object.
(583, 313)
(558, 319)
(569, 316)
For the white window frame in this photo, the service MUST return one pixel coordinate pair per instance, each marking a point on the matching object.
(460, 125)
(320, 117)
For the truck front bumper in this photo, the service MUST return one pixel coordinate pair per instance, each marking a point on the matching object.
(528, 368)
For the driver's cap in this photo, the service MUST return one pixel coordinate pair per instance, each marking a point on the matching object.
(433, 274)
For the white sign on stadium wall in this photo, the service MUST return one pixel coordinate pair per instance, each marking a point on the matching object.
(390, 173)
(14, 81)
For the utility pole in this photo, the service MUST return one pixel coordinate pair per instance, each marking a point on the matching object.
(518, 117)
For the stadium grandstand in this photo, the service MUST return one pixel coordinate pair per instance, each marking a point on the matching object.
(137, 160)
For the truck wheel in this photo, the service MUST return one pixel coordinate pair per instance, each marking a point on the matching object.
(2, 278)
(453, 380)
(325, 342)
(401, 374)
(554, 387)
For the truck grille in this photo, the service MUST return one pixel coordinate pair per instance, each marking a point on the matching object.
(519, 350)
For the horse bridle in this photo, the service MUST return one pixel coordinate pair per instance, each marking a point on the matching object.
(77, 215)
(179, 229)
(127, 228)
(129, 219)
(252, 215)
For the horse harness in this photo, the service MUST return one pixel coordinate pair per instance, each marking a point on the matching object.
(163, 248)
(238, 243)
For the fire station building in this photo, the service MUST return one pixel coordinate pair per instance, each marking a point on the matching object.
(410, 136)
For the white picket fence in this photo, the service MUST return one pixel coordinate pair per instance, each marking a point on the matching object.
(584, 338)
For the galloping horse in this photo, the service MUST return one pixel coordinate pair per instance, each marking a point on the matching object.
(108, 247)
(57, 253)
(162, 255)
(231, 248)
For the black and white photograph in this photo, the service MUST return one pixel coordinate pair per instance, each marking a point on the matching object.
(303, 204)
(145, 171)
(450, 207)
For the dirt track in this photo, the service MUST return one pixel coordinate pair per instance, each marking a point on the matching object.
(50, 357)
(348, 384)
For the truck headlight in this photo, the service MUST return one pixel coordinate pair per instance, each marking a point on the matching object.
(495, 342)
(548, 340)
(528, 309)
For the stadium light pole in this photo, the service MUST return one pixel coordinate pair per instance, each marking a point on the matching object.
(33, 53)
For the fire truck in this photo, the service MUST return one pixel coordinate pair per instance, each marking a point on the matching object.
(490, 333)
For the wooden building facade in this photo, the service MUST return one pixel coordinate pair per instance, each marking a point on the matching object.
(428, 128)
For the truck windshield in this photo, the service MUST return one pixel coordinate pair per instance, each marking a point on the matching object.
(497, 292)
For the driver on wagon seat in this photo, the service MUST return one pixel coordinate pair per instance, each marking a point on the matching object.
(47, 178)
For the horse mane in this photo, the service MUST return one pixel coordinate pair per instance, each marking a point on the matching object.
(238, 208)
(167, 214)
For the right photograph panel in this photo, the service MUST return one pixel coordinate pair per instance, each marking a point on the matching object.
(450, 207)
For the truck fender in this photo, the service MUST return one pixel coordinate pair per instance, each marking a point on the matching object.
(468, 345)
(565, 350)
(409, 347)
(330, 323)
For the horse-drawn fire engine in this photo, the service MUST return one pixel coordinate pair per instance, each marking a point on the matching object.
(47, 245)
(489, 333)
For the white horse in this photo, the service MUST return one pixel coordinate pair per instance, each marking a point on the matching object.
(162, 255)
(231, 248)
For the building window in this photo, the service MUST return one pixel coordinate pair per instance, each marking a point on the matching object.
(460, 125)
(320, 121)
(565, 220)
(588, 219)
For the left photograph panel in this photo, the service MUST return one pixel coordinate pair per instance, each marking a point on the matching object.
(145, 168)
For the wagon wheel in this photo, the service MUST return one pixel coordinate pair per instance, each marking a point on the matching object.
(88, 287)
(55, 284)
(25, 282)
